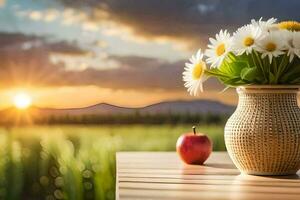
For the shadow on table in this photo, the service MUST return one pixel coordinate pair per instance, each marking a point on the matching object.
(295, 176)
(220, 166)
(245, 178)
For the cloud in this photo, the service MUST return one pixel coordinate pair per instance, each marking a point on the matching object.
(25, 59)
(67, 17)
(47, 15)
(33, 66)
(189, 21)
(2, 3)
(13, 39)
(143, 73)
(66, 48)
(24, 42)
(69, 54)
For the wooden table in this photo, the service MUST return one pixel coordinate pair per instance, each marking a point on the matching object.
(161, 175)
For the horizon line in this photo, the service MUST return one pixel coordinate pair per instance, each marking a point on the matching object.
(118, 106)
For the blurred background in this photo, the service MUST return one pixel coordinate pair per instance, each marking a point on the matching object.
(80, 80)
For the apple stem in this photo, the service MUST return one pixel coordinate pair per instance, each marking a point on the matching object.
(194, 129)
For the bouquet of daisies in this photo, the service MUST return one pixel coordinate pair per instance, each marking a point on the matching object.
(262, 52)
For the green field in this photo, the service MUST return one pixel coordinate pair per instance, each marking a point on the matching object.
(77, 162)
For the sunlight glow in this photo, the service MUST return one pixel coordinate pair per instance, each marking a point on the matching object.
(22, 100)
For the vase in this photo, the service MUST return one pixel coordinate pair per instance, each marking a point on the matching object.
(262, 136)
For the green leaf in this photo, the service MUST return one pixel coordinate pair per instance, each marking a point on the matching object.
(232, 69)
(291, 73)
(234, 81)
(215, 72)
(251, 74)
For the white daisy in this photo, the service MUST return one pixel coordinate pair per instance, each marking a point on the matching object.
(264, 25)
(289, 25)
(245, 39)
(271, 45)
(193, 74)
(218, 48)
(292, 44)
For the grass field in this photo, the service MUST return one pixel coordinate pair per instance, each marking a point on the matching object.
(77, 162)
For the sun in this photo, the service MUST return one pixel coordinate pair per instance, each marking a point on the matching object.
(22, 100)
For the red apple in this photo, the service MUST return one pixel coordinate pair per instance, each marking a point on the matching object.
(194, 148)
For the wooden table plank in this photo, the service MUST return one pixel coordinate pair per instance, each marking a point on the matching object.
(199, 195)
(161, 175)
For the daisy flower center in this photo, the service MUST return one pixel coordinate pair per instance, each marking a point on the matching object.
(248, 41)
(198, 70)
(220, 50)
(289, 25)
(271, 46)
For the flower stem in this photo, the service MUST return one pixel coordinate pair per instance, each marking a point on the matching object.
(267, 65)
(282, 66)
(255, 57)
(232, 57)
(194, 130)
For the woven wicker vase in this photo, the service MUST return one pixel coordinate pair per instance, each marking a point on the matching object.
(263, 134)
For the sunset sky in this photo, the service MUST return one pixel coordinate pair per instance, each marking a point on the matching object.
(75, 53)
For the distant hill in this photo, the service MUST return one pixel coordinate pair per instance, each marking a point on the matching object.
(174, 107)
(170, 112)
(193, 107)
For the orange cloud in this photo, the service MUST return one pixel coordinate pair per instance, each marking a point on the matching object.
(59, 64)
(2, 3)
